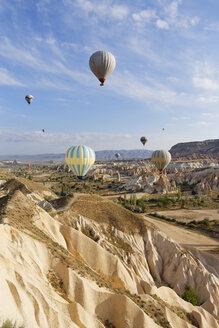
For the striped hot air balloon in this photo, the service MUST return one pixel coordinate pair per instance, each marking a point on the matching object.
(80, 159)
(161, 158)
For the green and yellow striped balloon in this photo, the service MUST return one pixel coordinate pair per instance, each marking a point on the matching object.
(161, 158)
(80, 159)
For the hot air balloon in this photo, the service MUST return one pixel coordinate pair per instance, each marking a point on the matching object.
(28, 165)
(80, 159)
(143, 140)
(161, 158)
(43, 130)
(163, 129)
(29, 98)
(117, 155)
(102, 64)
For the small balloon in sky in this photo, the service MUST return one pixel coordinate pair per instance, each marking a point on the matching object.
(102, 64)
(117, 155)
(143, 140)
(29, 98)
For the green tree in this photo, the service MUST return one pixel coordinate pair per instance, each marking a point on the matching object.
(134, 199)
(190, 296)
(179, 194)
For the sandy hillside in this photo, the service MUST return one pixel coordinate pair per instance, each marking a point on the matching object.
(94, 264)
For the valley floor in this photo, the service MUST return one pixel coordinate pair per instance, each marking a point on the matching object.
(183, 236)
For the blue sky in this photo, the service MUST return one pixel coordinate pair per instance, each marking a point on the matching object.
(167, 74)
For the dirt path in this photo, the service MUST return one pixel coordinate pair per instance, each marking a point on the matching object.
(183, 236)
(67, 207)
(189, 215)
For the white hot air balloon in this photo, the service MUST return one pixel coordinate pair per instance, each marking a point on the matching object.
(102, 64)
(29, 98)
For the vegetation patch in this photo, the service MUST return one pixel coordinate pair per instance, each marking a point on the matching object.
(90, 233)
(10, 324)
(105, 211)
(190, 296)
(210, 228)
(57, 284)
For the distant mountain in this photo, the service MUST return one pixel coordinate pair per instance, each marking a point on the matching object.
(107, 155)
(101, 155)
(206, 148)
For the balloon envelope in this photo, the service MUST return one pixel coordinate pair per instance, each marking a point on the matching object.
(143, 140)
(117, 155)
(28, 165)
(102, 64)
(29, 98)
(161, 158)
(80, 159)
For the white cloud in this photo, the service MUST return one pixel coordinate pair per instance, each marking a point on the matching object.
(162, 24)
(194, 20)
(7, 79)
(39, 142)
(119, 11)
(208, 99)
(205, 83)
(210, 116)
(144, 15)
(200, 124)
(36, 61)
(212, 27)
(174, 17)
(104, 8)
(150, 92)
(182, 118)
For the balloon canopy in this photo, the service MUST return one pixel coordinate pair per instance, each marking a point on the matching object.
(80, 159)
(102, 64)
(29, 98)
(117, 155)
(143, 140)
(161, 158)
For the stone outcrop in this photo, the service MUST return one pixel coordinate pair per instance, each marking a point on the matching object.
(96, 270)
(194, 150)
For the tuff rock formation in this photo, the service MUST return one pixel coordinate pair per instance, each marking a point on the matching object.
(94, 264)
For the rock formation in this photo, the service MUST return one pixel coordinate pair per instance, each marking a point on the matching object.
(198, 149)
(95, 264)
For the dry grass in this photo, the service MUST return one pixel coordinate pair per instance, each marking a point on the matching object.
(104, 211)
(57, 284)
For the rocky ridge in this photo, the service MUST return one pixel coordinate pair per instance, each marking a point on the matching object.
(198, 149)
(94, 264)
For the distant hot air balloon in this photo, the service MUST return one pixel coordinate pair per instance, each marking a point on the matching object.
(29, 98)
(161, 158)
(117, 155)
(102, 64)
(143, 140)
(28, 165)
(43, 130)
(80, 159)
(163, 129)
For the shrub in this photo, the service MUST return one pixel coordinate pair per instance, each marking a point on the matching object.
(9, 324)
(206, 222)
(190, 296)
